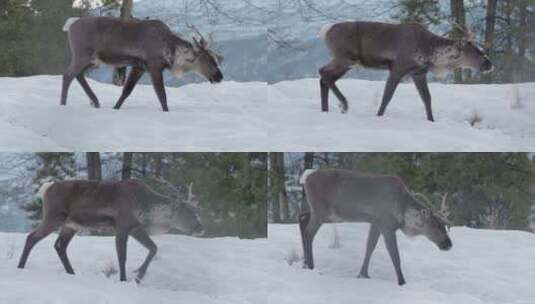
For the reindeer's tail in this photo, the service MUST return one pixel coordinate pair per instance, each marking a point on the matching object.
(69, 23)
(305, 175)
(40, 196)
(325, 30)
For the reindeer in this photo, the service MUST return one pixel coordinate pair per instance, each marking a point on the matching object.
(129, 207)
(144, 45)
(403, 49)
(381, 200)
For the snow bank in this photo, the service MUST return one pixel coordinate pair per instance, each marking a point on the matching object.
(482, 267)
(298, 125)
(203, 117)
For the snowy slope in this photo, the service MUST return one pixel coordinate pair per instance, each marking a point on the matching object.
(225, 117)
(186, 270)
(483, 267)
(298, 124)
(251, 116)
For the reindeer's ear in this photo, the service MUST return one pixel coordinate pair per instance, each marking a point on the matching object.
(203, 44)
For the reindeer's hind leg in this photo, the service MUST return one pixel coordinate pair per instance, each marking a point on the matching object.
(83, 82)
(309, 233)
(304, 218)
(65, 236)
(329, 75)
(77, 67)
(142, 237)
(33, 238)
(373, 237)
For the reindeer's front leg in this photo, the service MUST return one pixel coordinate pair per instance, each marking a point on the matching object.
(134, 76)
(420, 80)
(391, 84)
(156, 74)
(391, 243)
(143, 238)
(373, 237)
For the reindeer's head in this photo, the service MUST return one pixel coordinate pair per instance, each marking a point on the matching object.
(471, 54)
(199, 58)
(421, 219)
(185, 215)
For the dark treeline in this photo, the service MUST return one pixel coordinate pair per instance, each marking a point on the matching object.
(31, 38)
(483, 190)
(505, 28)
(230, 187)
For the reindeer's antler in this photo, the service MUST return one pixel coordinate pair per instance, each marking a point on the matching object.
(426, 203)
(191, 197)
(202, 42)
(468, 35)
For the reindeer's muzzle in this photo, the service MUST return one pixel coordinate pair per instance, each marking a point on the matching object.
(445, 245)
(217, 78)
(487, 66)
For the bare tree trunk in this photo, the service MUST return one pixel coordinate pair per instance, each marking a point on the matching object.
(522, 44)
(126, 172)
(158, 157)
(274, 189)
(283, 194)
(508, 67)
(119, 74)
(144, 164)
(458, 17)
(94, 166)
(489, 32)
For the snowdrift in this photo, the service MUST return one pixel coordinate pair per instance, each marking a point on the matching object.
(482, 267)
(505, 112)
(203, 117)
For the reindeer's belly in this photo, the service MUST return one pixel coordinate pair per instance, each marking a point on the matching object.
(88, 220)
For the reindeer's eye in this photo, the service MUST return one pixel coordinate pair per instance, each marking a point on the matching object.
(425, 213)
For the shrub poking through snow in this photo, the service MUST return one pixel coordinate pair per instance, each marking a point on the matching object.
(292, 257)
(10, 250)
(109, 269)
(475, 119)
(515, 98)
(336, 239)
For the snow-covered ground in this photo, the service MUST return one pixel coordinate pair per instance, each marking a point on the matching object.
(186, 270)
(506, 125)
(482, 267)
(203, 117)
(252, 116)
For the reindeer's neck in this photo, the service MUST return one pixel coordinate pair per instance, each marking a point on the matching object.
(442, 56)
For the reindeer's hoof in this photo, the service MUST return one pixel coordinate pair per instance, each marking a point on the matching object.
(363, 276)
(95, 105)
(401, 282)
